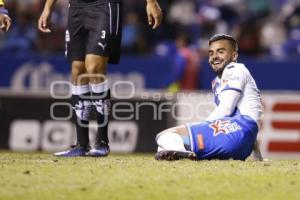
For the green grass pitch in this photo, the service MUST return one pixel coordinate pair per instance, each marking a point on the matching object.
(42, 176)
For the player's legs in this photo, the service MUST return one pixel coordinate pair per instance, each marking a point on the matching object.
(174, 144)
(96, 69)
(81, 102)
(226, 138)
(82, 107)
(178, 134)
(103, 25)
(75, 51)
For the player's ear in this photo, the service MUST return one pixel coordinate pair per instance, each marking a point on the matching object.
(235, 56)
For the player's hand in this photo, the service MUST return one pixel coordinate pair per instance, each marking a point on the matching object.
(5, 22)
(154, 13)
(257, 156)
(44, 24)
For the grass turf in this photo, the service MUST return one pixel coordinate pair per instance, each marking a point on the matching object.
(137, 176)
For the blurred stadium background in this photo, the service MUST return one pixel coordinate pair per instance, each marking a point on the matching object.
(163, 78)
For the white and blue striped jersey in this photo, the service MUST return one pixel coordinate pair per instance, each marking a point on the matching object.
(237, 77)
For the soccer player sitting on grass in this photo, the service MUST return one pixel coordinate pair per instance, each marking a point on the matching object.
(230, 131)
(5, 21)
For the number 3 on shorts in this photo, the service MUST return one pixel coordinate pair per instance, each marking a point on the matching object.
(103, 33)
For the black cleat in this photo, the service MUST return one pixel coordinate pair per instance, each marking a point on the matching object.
(75, 151)
(101, 150)
(175, 155)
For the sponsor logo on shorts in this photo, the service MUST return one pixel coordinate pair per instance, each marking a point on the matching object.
(102, 45)
(200, 141)
(224, 127)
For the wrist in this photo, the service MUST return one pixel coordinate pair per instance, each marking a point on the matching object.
(47, 11)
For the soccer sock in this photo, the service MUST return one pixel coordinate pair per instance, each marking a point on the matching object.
(101, 101)
(82, 107)
(170, 141)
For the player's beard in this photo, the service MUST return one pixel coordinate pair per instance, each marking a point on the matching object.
(220, 70)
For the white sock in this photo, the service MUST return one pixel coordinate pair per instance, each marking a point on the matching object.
(99, 87)
(81, 104)
(170, 141)
(80, 89)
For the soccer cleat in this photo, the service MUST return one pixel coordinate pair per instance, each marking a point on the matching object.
(100, 151)
(73, 152)
(175, 155)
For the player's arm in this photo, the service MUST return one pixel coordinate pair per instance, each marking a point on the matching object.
(5, 21)
(44, 20)
(154, 13)
(232, 86)
(228, 101)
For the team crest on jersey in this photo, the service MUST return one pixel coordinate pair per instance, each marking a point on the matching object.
(231, 77)
(224, 127)
(224, 81)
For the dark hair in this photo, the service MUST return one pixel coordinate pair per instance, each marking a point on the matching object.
(217, 37)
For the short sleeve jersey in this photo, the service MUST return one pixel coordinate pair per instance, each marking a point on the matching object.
(237, 77)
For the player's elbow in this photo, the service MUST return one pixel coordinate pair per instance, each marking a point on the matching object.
(228, 110)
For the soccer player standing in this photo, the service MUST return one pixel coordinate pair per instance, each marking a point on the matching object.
(230, 131)
(93, 38)
(5, 21)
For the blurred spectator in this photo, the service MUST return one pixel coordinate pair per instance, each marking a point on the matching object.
(182, 12)
(132, 40)
(186, 66)
(262, 27)
(249, 38)
(291, 46)
(22, 35)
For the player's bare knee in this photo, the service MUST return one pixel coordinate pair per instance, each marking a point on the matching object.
(94, 68)
(78, 73)
(96, 64)
(96, 72)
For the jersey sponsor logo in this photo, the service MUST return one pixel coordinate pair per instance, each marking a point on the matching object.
(224, 127)
(231, 77)
(224, 81)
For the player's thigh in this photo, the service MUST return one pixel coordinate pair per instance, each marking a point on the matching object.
(75, 36)
(103, 25)
(96, 64)
(221, 139)
(79, 73)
